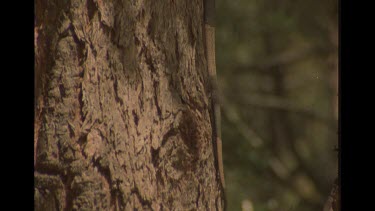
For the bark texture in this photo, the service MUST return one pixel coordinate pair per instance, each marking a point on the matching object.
(333, 202)
(122, 118)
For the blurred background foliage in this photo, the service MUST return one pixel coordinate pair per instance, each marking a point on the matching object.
(277, 63)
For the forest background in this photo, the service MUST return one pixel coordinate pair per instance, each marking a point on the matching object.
(277, 64)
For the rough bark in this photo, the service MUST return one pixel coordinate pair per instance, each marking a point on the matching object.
(333, 201)
(122, 107)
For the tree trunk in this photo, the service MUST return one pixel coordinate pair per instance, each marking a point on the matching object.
(122, 114)
(333, 201)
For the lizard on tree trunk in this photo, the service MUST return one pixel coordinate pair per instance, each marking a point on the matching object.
(209, 35)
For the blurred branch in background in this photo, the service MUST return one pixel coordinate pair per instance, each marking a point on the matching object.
(284, 59)
(231, 113)
(280, 104)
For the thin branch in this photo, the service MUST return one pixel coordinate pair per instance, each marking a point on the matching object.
(277, 103)
(283, 59)
(233, 116)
